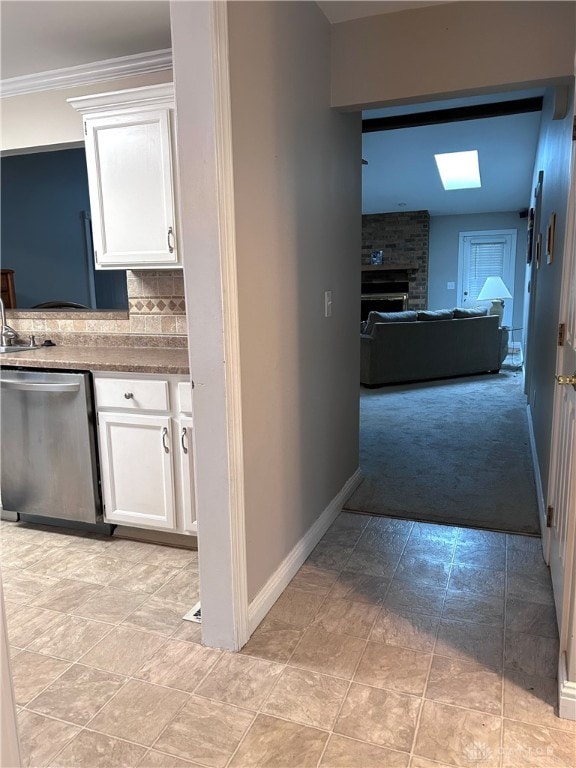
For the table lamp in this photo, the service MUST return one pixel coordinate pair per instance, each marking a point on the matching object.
(495, 291)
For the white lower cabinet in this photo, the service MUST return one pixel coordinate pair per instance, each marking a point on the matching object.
(187, 472)
(146, 452)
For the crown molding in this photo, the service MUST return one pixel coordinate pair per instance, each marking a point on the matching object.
(145, 96)
(43, 148)
(84, 74)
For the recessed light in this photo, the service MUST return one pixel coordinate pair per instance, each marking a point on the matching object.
(459, 170)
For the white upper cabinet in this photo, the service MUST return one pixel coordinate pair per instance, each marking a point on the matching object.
(131, 175)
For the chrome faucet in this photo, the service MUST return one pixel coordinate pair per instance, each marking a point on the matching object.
(7, 334)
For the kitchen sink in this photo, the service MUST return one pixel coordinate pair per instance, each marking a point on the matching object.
(18, 348)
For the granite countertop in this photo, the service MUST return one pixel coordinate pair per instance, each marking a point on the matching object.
(93, 358)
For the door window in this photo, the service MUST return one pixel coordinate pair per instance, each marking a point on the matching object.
(486, 254)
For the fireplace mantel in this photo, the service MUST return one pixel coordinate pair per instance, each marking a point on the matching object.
(408, 266)
(402, 238)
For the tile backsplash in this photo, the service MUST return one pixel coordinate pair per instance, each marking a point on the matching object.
(156, 316)
(156, 293)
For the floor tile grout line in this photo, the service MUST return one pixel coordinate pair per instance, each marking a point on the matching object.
(174, 716)
(419, 717)
(357, 665)
(70, 664)
(242, 739)
(80, 605)
(76, 661)
(68, 741)
(462, 707)
(341, 707)
(85, 729)
(420, 708)
(504, 631)
(366, 685)
(369, 743)
(317, 610)
(127, 680)
(273, 687)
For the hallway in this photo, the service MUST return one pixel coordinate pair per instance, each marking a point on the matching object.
(396, 644)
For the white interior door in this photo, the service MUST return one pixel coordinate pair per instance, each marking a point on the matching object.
(486, 254)
(562, 495)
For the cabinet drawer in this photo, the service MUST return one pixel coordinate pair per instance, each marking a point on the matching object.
(185, 397)
(138, 394)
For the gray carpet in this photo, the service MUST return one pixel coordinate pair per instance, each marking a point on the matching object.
(454, 451)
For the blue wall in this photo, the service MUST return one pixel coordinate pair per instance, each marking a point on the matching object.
(443, 256)
(43, 234)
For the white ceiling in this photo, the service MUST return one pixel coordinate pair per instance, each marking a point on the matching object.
(401, 166)
(38, 36)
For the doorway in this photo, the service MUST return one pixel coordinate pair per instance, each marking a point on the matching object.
(472, 430)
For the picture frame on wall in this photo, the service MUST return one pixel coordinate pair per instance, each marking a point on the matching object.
(538, 257)
(550, 238)
(530, 236)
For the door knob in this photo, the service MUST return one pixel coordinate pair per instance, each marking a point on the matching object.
(567, 379)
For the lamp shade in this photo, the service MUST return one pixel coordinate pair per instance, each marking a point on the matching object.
(494, 289)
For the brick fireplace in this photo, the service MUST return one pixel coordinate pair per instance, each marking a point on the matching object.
(403, 274)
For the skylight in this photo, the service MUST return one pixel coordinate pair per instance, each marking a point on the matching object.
(459, 170)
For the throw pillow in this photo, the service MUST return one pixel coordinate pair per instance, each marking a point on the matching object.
(439, 314)
(472, 312)
(408, 316)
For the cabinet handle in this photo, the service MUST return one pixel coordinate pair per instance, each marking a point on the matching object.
(129, 395)
(164, 436)
(170, 239)
(182, 436)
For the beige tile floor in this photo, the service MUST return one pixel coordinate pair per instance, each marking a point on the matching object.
(396, 644)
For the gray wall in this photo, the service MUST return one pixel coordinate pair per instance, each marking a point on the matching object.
(43, 118)
(297, 205)
(552, 157)
(443, 255)
(452, 48)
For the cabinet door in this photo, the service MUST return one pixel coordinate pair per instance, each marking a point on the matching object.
(136, 468)
(129, 160)
(185, 448)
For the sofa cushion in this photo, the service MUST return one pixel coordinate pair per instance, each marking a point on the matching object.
(439, 314)
(472, 312)
(408, 316)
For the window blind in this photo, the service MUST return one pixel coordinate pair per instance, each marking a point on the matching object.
(486, 260)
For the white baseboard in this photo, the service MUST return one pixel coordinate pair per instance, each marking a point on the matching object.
(566, 692)
(538, 480)
(286, 571)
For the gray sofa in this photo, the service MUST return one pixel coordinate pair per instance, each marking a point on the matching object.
(417, 346)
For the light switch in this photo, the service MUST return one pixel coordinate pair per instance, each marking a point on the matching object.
(451, 286)
(327, 303)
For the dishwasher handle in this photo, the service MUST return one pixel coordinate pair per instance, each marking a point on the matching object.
(44, 386)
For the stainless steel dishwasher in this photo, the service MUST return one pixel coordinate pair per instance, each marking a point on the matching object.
(48, 453)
